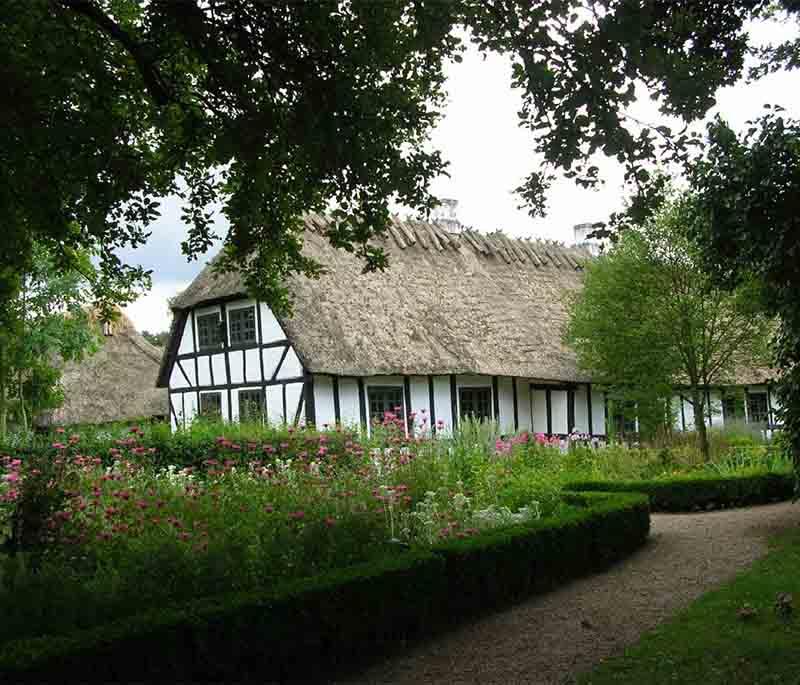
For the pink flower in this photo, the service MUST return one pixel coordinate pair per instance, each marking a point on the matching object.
(330, 521)
(11, 477)
(60, 431)
(58, 446)
(297, 515)
(268, 508)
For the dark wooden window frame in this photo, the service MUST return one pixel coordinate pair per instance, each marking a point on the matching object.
(486, 409)
(758, 414)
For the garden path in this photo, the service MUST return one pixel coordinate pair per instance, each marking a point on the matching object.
(552, 638)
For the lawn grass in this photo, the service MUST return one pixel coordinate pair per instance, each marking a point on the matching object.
(709, 643)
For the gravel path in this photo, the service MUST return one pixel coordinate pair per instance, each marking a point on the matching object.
(553, 637)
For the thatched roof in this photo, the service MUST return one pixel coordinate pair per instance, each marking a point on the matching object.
(464, 303)
(117, 383)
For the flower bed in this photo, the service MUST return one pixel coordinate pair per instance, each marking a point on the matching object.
(707, 492)
(312, 626)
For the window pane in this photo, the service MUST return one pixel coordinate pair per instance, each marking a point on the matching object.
(757, 407)
(383, 399)
(251, 405)
(211, 405)
(476, 403)
(243, 325)
(209, 333)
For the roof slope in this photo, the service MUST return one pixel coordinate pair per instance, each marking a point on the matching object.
(117, 383)
(462, 303)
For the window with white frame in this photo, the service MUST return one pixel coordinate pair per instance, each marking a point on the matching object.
(251, 405)
(383, 400)
(209, 331)
(242, 323)
(211, 405)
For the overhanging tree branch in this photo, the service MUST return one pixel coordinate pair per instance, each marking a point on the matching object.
(146, 65)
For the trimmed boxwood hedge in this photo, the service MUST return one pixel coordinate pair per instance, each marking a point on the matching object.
(706, 492)
(318, 626)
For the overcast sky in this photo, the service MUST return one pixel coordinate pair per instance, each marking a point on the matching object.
(489, 156)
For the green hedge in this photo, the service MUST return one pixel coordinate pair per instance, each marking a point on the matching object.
(315, 627)
(693, 494)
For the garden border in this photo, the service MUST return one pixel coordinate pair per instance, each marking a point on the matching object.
(693, 494)
(327, 623)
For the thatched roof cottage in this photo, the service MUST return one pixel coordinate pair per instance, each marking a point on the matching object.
(460, 323)
(117, 383)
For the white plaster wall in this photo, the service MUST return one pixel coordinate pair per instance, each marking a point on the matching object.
(581, 409)
(323, 401)
(420, 402)
(539, 406)
(252, 366)
(441, 398)
(291, 367)
(558, 408)
(271, 355)
(349, 406)
(505, 391)
(293, 391)
(524, 405)
(186, 345)
(676, 412)
(204, 371)
(236, 361)
(598, 412)
(274, 402)
(688, 410)
(717, 420)
(218, 367)
(271, 330)
(775, 404)
(190, 405)
(176, 379)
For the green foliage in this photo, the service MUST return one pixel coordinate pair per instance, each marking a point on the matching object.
(274, 109)
(648, 319)
(702, 492)
(43, 325)
(748, 188)
(343, 615)
(711, 642)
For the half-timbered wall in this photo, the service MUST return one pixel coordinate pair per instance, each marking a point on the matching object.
(267, 365)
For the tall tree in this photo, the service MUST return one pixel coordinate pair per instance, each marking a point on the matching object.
(46, 324)
(649, 318)
(748, 189)
(280, 107)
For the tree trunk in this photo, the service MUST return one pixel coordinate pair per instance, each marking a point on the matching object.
(3, 407)
(700, 423)
(23, 415)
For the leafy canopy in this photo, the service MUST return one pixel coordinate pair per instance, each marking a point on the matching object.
(272, 109)
(649, 317)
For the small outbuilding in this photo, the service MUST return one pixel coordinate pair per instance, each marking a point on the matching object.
(117, 383)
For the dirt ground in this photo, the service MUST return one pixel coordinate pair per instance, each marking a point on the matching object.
(554, 637)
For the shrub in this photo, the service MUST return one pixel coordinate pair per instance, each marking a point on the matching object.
(702, 492)
(315, 626)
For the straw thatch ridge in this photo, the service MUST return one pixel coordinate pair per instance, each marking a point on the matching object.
(449, 303)
(117, 383)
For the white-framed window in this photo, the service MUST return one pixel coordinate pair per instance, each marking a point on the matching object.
(385, 398)
(251, 405)
(475, 402)
(242, 325)
(209, 331)
(211, 405)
